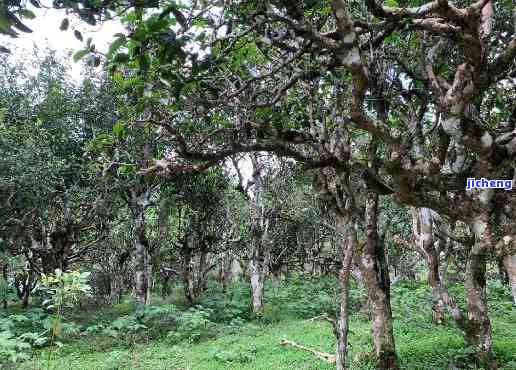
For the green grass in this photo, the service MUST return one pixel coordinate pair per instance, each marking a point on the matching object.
(258, 347)
(255, 345)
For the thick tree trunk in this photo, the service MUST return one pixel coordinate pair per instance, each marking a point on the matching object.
(349, 232)
(509, 263)
(376, 277)
(227, 272)
(478, 333)
(139, 203)
(257, 276)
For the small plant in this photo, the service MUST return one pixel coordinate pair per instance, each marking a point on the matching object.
(64, 290)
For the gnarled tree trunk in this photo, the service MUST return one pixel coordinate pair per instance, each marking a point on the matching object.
(376, 277)
(348, 230)
(478, 329)
(423, 233)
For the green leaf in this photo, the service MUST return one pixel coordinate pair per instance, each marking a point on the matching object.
(4, 23)
(26, 13)
(64, 24)
(80, 54)
(78, 35)
(121, 58)
(115, 45)
(119, 129)
(392, 3)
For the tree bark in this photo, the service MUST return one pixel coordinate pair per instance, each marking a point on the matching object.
(227, 272)
(342, 327)
(509, 263)
(4, 276)
(376, 277)
(187, 272)
(148, 273)
(478, 330)
(257, 273)
(114, 289)
(138, 203)
(422, 230)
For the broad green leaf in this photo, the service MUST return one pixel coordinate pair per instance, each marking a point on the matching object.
(80, 54)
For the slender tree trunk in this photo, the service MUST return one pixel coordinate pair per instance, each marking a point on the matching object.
(202, 275)
(342, 327)
(114, 289)
(140, 275)
(376, 278)
(26, 287)
(188, 279)
(259, 256)
(509, 263)
(148, 273)
(140, 250)
(422, 230)
(4, 276)
(165, 286)
(139, 201)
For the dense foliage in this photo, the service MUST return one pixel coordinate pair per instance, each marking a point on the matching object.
(282, 141)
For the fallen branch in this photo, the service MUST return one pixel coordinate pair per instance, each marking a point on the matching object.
(321, 355)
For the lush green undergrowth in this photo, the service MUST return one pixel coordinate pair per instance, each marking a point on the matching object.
(220, 332)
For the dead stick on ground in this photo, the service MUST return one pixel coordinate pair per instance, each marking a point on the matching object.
(329, 358)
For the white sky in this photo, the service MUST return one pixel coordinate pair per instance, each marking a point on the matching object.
(47, 33)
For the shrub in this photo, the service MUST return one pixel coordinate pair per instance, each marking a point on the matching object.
(193, 326)
(226, 307)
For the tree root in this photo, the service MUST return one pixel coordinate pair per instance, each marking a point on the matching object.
(329, 358)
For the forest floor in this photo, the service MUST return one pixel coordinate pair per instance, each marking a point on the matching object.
(208, 337)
